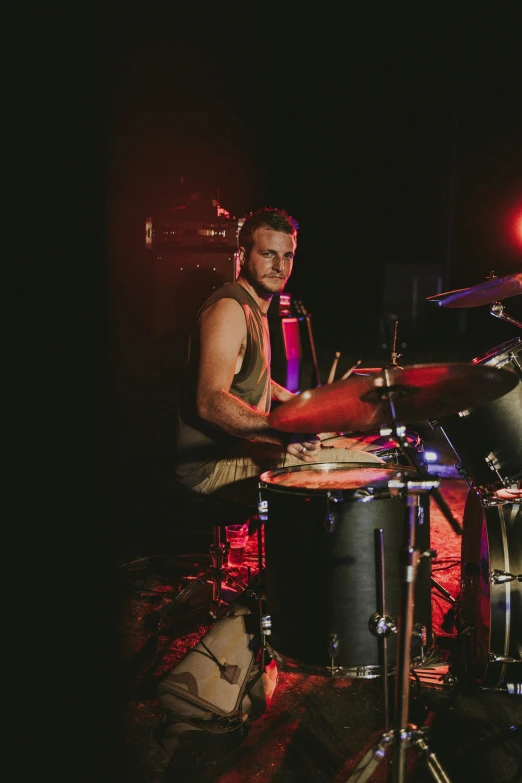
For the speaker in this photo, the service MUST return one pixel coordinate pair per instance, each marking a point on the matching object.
(181, 282)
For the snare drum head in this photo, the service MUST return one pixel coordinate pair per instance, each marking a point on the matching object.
(331, 476)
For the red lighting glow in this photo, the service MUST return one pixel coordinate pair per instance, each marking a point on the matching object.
(518, 227)
(515, 225)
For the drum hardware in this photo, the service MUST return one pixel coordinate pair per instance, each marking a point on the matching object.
(399, 432)
(489, 616)
(498, 577)
(333, 651)
(498, 311)
(487, 439)
(494, 658)
(382, 625)
(442, 590)
(403, 735)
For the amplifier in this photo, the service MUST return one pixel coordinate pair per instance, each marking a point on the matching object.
(182, 281)
(202, 227)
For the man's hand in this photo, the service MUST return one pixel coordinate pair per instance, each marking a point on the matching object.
(304, 447)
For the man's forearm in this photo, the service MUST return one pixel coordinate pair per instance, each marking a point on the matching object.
(232, 415)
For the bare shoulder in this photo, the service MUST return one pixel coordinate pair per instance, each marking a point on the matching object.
(224, 314)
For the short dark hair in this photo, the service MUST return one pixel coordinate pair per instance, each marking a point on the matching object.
(268, 217)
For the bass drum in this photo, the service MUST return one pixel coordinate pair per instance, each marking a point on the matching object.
(488, 440)
(490, 603)
(322, 547)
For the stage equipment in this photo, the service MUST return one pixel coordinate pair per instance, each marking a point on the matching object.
(361, 403)
(490, 292)
(487, 438)
(333, 535)
(358, 403)
(494, 289)
(489, 613)
(382, 446)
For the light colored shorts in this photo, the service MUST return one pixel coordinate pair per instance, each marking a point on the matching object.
(237, 478)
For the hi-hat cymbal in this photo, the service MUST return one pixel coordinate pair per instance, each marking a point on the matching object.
(420, 392)
(492, 290)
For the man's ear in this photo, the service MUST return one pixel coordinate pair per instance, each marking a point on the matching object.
(241, 255)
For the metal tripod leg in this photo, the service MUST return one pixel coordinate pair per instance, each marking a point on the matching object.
(401, 737)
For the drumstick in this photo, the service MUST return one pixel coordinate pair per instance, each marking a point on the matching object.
(349, 372)
(334, 367)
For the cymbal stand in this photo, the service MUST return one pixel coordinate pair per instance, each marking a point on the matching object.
(403, 735)
(398, 432)
(497, 309)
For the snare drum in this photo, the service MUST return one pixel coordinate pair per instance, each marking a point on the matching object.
(322, 547)
(490, 603)
(375, 443)
(488, 439)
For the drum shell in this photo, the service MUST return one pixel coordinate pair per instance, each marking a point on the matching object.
(494, 428)
(322, 573)
(490, 614)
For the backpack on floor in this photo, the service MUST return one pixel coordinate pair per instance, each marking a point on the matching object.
(222, 683)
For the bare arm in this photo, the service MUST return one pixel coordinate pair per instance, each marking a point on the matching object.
(223, 334)
(222, 337)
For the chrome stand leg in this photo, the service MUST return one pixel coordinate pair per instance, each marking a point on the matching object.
(403, 735)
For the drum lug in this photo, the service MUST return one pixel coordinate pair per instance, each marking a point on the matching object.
(333, 647)
(498, 577)
(262, 509)
(266, 625)
(494, 658)
(329, 522)
(421, 632)
(381, 625)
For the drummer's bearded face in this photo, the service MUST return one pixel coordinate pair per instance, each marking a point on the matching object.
(269, 264)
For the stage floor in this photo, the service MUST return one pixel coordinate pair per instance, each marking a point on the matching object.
(316, 728)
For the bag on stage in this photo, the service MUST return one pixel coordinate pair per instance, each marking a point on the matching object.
(221, 684)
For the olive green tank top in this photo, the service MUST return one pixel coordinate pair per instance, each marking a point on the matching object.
(199, 445)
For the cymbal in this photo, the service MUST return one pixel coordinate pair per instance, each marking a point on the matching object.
(492, 290)
(420, 392)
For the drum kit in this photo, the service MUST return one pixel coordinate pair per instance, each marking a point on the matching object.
(347, 545)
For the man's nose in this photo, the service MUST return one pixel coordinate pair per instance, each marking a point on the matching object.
(278, 263)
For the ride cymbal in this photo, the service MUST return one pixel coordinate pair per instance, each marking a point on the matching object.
(492, 290)
(419, 392)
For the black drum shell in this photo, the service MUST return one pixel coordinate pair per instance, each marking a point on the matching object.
(489, 614)
(321, 568)
(492, 428)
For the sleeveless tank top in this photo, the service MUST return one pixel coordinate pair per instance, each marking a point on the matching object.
(199, 445)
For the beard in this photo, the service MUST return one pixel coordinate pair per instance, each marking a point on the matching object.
(266, 286)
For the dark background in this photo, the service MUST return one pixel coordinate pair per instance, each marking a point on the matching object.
(392, 134)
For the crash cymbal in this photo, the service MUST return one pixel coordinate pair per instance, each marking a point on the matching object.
(492, 290)
(420, 392)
